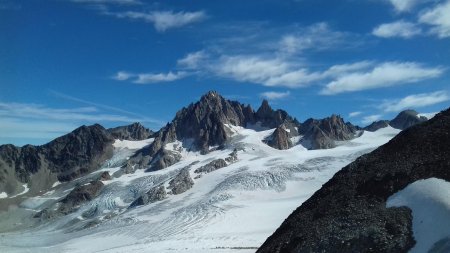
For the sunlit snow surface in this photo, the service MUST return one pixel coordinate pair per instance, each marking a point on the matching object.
(233, 209)
(429, 201)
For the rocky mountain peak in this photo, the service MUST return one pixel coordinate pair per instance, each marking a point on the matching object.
(264, 109)
(271, 118)
(133, 132)
(406, 119)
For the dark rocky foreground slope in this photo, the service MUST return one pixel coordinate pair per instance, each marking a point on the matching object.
(349, 214)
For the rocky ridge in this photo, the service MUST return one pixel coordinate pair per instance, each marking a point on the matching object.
(349, 214)
(403, 120)
(65, 158)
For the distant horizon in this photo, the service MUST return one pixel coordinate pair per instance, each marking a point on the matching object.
(114, 62)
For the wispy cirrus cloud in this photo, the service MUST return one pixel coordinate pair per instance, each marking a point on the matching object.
(274, 95)
(162, 20)
(318, 36)
(371, 118)
(24, 123)
(399, 28)
(149, 78)
(416, 101)
(97, 106)
(382, 75)
(438, 17)
(404, 5)
(354, 114)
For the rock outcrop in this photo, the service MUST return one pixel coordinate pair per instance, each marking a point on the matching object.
(212, 166)
(70, 203)
(181, 182)
(155, 194)
(322, 134)
(133, 132)
(377, 125)
(280, 139)
(349, 214)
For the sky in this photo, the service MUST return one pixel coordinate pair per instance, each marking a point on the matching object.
(65, 63)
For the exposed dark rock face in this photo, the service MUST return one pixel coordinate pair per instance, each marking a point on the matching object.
(403, 120)
(164, 158)
(406, 119)
(280, 139)
(349, 214)
(321, 134)
(181, 183)
(212, 166)
(63, 159)
(78, 152)
(73, 200)
(315, 138)
(202, 122)
(80, 195)
(104, 176)
(232, 157)
(155, 194)
(270, 118)
(377, 125)
(133, 132)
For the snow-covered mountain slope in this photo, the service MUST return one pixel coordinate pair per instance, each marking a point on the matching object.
(429, 201)
(231, 209)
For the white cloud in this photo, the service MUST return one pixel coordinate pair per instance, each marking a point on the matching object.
(160, 77)
(416, 101)
(163, 20)
(383, 75)
(274, 61)
(122, 76)
(399, 28)
(318, 36)
(439, 18)
(273, 95)
(404, 5)
(95, 105)
(354, 114)
(147, 78)
(193, 60)
(371, 118)
(34, 111)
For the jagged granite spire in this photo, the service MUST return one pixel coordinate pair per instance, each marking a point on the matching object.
(203, 123)
(272, 118)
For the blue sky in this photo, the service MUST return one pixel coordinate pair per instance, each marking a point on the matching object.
(71, 62)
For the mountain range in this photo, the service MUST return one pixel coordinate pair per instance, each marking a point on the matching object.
(64, 181)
